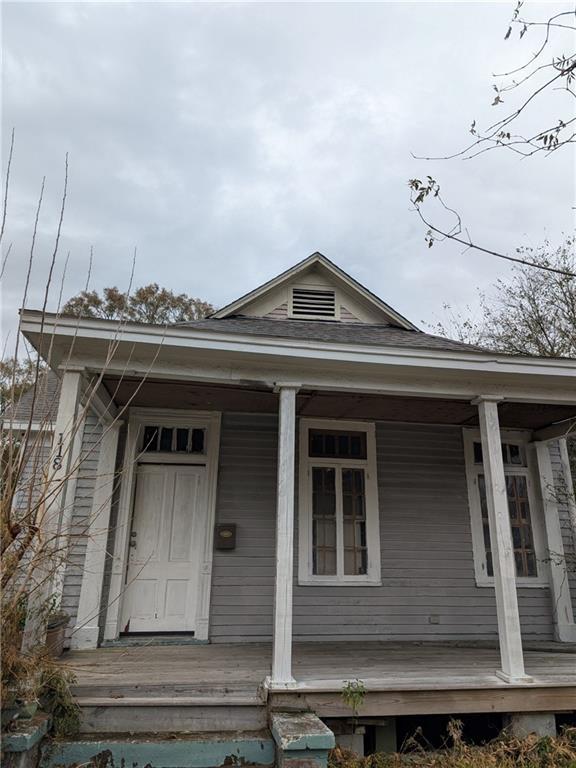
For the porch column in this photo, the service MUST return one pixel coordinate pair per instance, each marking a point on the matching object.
(282, 647)
(86, 631)
(564, 628)
(511, 655)
(60, 471)
(568, 479)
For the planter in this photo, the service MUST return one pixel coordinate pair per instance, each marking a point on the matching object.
(55, 635)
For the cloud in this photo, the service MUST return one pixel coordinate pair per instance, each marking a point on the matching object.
(228, 141)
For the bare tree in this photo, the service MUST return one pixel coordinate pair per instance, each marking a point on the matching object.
(542, 86)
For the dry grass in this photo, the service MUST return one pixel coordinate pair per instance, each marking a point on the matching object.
(503, 752)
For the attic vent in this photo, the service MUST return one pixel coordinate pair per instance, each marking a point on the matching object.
(308, 302)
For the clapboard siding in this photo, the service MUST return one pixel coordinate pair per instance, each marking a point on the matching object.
(85, 485)
(428, 589)
(568, 534)
(246, 496)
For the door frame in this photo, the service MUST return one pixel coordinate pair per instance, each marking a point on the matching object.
(137, 418)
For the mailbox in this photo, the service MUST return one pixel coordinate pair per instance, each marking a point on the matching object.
(225, 536)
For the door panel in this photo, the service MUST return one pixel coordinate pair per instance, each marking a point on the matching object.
(165, 553)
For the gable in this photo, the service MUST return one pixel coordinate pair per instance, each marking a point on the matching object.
(315, 289)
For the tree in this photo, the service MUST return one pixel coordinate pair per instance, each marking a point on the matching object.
(532, 314)
(543, 85)
(148, 304)
(16, 376)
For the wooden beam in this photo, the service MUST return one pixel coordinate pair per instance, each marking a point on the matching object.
(512, 659)
(86, 631)
(282, 646)
(388, 703)
(564, 628)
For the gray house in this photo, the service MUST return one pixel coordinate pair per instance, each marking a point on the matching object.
(302, 490)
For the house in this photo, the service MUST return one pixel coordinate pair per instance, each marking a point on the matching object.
(305, 489)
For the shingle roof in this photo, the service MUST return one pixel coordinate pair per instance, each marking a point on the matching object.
(45, 403)
(332, 332)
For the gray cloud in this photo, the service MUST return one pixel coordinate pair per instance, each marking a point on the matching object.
(228, 141)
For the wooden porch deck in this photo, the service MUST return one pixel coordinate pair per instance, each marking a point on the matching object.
(407, 678)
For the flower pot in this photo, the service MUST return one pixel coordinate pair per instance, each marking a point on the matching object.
(55, 639)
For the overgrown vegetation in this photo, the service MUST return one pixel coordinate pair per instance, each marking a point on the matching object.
(504, 752)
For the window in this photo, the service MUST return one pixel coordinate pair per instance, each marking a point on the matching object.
(313, 303)
(521, 506)
(338, 503)
(172, 439)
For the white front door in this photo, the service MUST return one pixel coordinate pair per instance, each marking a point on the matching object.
(166, 544)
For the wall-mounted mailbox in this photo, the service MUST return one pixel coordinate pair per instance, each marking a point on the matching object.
(225, 536)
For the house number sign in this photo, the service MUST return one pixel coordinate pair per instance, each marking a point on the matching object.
(57, 461)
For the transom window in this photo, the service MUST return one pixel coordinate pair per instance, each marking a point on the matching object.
(525, 538)
(173, 439)
(338, 503)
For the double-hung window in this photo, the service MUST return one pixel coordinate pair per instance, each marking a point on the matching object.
(522, 506)
(338, 503)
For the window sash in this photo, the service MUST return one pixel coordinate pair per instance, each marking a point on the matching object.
(368, 532)
(525, 559)
(528, 470)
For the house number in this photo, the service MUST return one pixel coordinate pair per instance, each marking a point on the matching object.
(57, 461)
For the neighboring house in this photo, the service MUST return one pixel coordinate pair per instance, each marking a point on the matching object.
(305, 466)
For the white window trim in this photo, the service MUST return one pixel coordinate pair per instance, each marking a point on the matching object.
(305, 575)
(521, 438)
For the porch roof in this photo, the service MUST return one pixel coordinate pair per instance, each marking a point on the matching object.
(155, 393)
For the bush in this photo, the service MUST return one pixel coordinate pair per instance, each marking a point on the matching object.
(504, 752)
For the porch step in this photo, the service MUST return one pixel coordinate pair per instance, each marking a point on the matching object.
(176, 750)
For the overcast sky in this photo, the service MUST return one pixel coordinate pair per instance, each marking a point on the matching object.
(227, 141)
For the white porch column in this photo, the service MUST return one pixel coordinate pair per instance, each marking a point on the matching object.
(282, 647)
(85, 633)
(564, 628)
(571, 497)
(511, 655)
(59, 470)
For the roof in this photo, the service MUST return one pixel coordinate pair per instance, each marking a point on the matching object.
(45, 403)
(331, 331)
(317, 260)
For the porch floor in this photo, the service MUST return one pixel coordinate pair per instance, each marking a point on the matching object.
(237, 672)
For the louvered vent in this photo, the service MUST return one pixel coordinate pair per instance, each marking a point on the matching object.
(307, 302)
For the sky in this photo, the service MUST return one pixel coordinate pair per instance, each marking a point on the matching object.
(224, 142)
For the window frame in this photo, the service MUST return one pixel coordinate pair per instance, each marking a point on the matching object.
(306, 577)
(473, 470)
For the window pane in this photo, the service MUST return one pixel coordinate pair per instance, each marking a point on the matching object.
(181, 440)
(520, 523)
(522, 538)
(197, 442)
(330, 444)
(323, 521)
(354, 512)
(150, 440)
(477, 453)
(166, 439)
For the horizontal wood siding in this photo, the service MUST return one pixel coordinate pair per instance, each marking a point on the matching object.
(243, 579)
(81, 515)
(428, 590)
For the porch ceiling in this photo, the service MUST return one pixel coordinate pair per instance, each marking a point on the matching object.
(152, 393)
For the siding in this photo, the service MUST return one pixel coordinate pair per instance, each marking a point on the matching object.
(428, 590)
(81, 516)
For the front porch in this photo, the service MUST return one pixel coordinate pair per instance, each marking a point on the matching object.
(174, 687)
